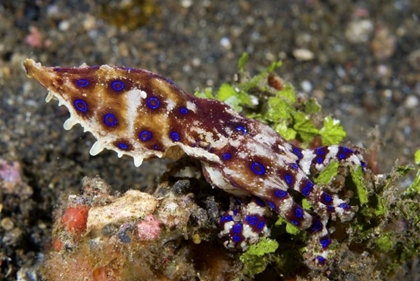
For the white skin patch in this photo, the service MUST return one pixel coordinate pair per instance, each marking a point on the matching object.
(134, 100)
(170, 105)
(191, 106)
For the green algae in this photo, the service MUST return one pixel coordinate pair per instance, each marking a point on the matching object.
(327, 175)
(358, 179)
(257, 257)
(417, 157)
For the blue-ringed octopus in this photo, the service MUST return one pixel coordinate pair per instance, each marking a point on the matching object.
(143, 115)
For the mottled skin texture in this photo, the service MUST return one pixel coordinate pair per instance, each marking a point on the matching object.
(141, 114)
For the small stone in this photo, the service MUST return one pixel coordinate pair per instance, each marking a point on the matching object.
(383, 43)
(12, 237)
(186, 3)
(64, 25)
(411, 101)
(196, 238)
(89, 22)
(303, 54)
(7, 224)
(196, 62)
(225, 43)
(414, 59)
(359, 31)
(306, 86)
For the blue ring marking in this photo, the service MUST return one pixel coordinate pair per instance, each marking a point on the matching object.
(175, 136)
(241, 129)
(319, 160)
(289, 179)
(183, 110)
(236, 238)
(237, 228)
(280, 193)
(346, 150)
(299, 213)
(321, 260)
(259, 202)
(261, 225)
(226, 218)
(271, 205)
(297, 152)
(235, 212)
(341, 156)
(145, 136)
(327, 198)
(155, 147)
(226, 156)
(110, 120)
(252, 220)
(82, 83)
(308, 188)
(153, 103)
(123, 146)
(320, 151)
(294, 166)
(117, 85)
(80, 105)
(363, 164)
(344, 206)
(317, 226)
(325, 242)
(331, 209)
(296, 223)
(258, 168)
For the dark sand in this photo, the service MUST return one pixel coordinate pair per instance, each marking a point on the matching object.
(360, 59)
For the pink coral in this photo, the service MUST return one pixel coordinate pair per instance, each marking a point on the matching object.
(34, 39)
(148, 229)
